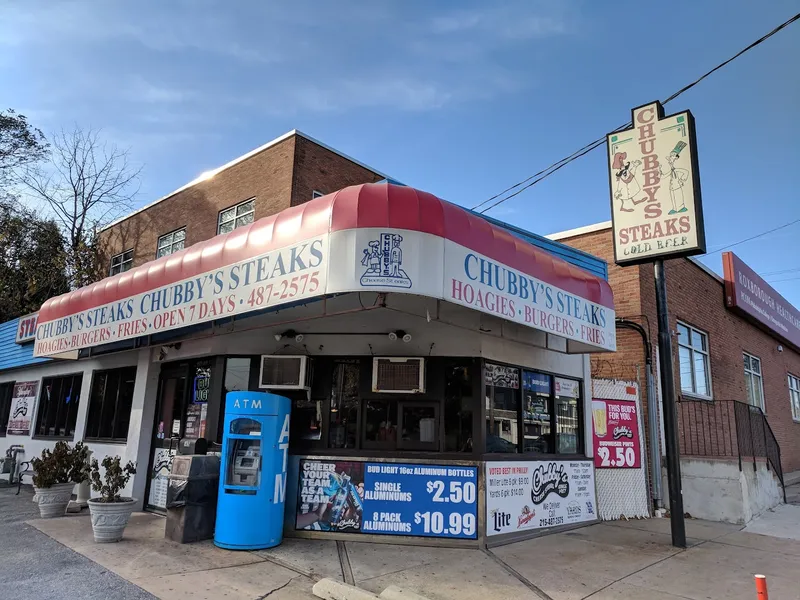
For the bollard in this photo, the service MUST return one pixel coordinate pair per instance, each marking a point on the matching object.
(761, 587)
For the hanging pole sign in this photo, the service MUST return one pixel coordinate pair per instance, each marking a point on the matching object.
(656, 208)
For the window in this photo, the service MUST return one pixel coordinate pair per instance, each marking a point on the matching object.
(58, 406)
(458, 406)
(380, 424)
(110, 402)
(171, 242)
(237, 379)
(236, 216)
(345, 400)
(121, 262)
(6, 393)
(419, 426)
(694, 364)
(794, 397)
(537, 413)
(569, 416)
(753, 381)
(316, 194)
(502, 408)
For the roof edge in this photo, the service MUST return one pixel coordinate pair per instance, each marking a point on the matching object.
(579, 231)
(211, 172)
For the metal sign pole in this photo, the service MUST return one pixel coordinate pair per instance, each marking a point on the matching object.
(670, 411)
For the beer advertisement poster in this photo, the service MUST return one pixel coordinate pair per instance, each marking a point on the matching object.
(537, 494)
(388, 498)
(656, 209)
(616, 434)
(20, 413)
(330, 495)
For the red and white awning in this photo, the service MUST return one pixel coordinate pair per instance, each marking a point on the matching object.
(373, 237)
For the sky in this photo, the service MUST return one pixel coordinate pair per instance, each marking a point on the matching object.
(461, 99)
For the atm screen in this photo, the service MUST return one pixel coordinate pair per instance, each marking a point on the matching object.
(247, 462)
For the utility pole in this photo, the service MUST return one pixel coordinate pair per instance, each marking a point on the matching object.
(670, 410)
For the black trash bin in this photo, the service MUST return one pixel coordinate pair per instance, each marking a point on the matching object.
(192, 498)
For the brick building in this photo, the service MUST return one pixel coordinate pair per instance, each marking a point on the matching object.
(719, 355)
(289, 170)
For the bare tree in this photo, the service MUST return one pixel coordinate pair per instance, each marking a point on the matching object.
(87, 183)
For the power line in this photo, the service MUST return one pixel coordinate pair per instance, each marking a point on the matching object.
(537, 177)
(758, 235)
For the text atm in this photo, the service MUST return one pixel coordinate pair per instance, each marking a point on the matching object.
(252, 484)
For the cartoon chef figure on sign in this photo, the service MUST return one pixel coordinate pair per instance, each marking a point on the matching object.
(627, 185)
(677, 179)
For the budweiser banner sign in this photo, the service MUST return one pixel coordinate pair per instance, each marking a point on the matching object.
(656, 207)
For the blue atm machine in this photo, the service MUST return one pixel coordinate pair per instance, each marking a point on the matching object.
(252, 483)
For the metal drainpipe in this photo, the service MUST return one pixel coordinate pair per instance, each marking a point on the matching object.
(652, 412)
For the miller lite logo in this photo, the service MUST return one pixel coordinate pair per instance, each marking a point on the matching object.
(500, 519)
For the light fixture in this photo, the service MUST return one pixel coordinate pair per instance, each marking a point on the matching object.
(290, 333)
(399, 335)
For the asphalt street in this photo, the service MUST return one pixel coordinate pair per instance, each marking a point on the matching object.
(33, 566)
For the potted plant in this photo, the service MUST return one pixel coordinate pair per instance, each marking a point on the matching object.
(110, 512)
(55, 474)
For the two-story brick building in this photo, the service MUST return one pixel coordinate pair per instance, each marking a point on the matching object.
(723, 358)
(413, 338)
(287, 171)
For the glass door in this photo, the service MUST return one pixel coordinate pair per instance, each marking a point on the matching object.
(170, 409)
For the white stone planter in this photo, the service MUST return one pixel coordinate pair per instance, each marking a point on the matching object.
(53, 501)
(110, 518)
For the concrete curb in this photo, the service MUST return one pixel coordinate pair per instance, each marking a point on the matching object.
(329, 589)
(395, 593)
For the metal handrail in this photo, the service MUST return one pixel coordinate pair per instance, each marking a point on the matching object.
(728, 428)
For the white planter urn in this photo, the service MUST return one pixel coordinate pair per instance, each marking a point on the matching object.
(53, 501)
(110, 518)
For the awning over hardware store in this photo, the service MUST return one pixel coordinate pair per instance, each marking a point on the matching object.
(372, 237)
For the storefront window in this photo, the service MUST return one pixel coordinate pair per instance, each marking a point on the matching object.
(419, 426)
(345, 400)
(458, 405)
(110, 402)
(568, 416)
(6, 392)
(380, 423)
(537, 413)
(58, 406)
(502, 408)
(237, 379)
(306, 422)
(197, 409)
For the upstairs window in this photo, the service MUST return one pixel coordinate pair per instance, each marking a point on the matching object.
(171, 242)
(121, 262)
(236, 216)
(794, 396)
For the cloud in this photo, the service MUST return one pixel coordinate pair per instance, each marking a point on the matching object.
(508, 23)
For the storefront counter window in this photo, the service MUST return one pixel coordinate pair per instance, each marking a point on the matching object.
(502, 408)
(537, 406)
(380, 424)
(568, 416)
(110, 402)
(345, 402)
(460, 402)
(58, 406)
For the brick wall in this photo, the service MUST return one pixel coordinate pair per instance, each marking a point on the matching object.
(280, 176)
(697, 299)
(317, 168)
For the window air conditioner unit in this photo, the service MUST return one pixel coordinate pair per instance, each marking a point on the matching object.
(285, 372)
(394, 375)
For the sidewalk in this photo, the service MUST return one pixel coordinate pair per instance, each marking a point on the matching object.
(613, 560)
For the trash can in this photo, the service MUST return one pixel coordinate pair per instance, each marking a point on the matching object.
(192, 498)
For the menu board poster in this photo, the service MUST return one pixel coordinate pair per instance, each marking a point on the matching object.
(521, 496)
(616, 434)
(23, 400)
(501, 376)
(388, 498)
(162, 464)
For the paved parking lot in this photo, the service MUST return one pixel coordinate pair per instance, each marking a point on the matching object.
(33, 566)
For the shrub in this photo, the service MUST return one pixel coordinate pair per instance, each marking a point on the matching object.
(114, 479)
(62, 464)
